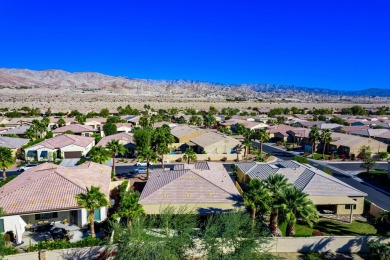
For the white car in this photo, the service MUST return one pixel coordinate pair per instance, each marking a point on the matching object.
(141, 170)
(26, 167)
(144, 164)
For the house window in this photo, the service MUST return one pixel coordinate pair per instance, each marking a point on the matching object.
(43, 216)
(96, 215)
(348, 206)
(2, 226)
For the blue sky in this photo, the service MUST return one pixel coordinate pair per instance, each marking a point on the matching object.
(336, 44)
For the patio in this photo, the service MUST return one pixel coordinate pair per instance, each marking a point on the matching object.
(73, 232)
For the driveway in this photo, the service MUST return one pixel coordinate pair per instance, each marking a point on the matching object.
(69, 162)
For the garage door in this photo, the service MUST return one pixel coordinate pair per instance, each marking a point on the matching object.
(68, 155)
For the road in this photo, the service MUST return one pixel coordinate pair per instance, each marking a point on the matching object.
(356, 166)
(377, 197)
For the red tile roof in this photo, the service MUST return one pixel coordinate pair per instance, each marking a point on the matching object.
(65, 140)
(49, 187)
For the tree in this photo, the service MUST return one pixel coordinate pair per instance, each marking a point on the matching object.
(209, 120)
(262, 136)
(195, 120)
(99, 154)
(109, 129)
(257, 198)
(213, 110)
(368, 163)
(148, 155)
(189, 155)
(314, 136)
(104, 112)
(6, 160)
(326, 138)
(129, 208)
(383, 155)
(81, 119)
(378, 250)
(298, 205)
(61, 122)
(144, 122)
(142, 138)
(276, 184)
(115, 149)
(365, 151)
(91, 200)
(161, 139)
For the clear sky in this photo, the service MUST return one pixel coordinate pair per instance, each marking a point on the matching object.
(340, 44)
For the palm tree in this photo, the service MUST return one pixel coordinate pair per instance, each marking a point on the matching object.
(6, 160)
(148, 155)
(129, 207)
(298, 205)
(257, 198)
(99, 154)
(262, 136)
(314, 136)
(115, 148)
(247, 146)
(326, 138)
(61, 122)
(144, 122)
(189, 155)
(91, 200)
(276, 183)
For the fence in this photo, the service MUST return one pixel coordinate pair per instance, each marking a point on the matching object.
(205, 157)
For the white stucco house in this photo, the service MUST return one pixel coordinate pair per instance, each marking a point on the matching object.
(63, 146)
(46, 194)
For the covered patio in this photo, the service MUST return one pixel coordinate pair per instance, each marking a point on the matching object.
(335, 205)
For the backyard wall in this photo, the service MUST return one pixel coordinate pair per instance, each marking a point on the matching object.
(205, 157)
(375, 210)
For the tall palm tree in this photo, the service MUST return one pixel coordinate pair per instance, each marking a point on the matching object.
(6, 160)
(148, 155)
(91, 200)
(298, 205)
(247, 146)
(326, 138)
(314, 136)
(99, 154)
(276, 183)
(257, 198)
(115, 149)
(189, 155)
(262, 136)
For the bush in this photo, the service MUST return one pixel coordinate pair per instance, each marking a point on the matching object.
(317, 233)
(62, 244)
(179, 159)
(224, 159)
(81, 161)
(300, 159)
(353, 157)
(377, 250)
(383, 155)
(9, 251)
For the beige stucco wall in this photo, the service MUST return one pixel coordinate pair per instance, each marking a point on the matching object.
(241, 177)
(204, 157)
(375, 146)
(188, 137)
(359, 207)
(30, 219)
(222, 147)
(88, 134)
(157, 208)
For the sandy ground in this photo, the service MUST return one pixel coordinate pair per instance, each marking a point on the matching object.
(63, 102)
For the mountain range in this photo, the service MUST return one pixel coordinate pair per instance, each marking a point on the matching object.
(18, 80)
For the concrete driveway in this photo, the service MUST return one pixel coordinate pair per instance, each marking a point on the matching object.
(69, 162)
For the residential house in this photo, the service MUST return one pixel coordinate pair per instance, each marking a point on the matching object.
(46, 193)
(96, 123)
(53, 121)
(369, 132)
(184, 133)
(62, 146)
(20, 131)
(126, 139)
(384, 137)
(160, 124)
(349, 129)
(15, 144)
(76, 129)
(213, 143)
(202, 188)
(297, 135)
(124, 127)
(279, 132)
(134, 120)
(330, 195)
(15, 122)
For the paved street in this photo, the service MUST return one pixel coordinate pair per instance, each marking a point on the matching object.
(356, 166)
(379, 198)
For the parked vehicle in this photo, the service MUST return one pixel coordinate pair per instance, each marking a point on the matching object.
(26, 167)
(144, 164)
(141, 170)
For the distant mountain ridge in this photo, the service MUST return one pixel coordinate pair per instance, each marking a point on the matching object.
(85, 82)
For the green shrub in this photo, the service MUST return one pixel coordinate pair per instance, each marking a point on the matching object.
(62, 244)
(378, 251)
(4, 182)
(81, 161)
(300, 159)
(314, 256)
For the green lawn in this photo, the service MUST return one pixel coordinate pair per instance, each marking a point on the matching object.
(318, 156)
(333, 228)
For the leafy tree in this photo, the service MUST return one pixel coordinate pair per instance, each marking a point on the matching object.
(326, 138)
(6, 160)
(61, 122)
(99, 154)
(298, 205)
(144, 122)
(148, 155)
(276, 184)
(378, 250)
(189, 155)
(142, 138)
(114, 120)
(81, 119)
(383, 155)
(115, 149)
(209, 120)
(91, 200)
(69, 132)
(74, 113)
(314, 136)
(153, 119)
(109, 129)
(104, 112)
(213, 110)
(129, 208)
(365, 151)
(257, 198)
(368, 163)
(195, 120)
